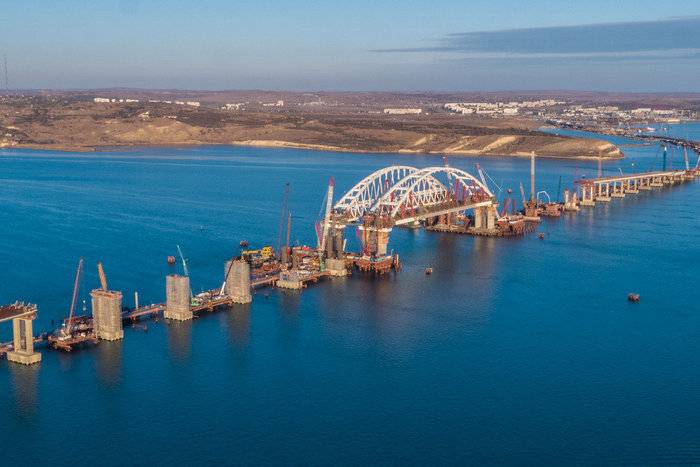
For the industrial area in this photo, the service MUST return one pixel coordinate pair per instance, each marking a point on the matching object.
(439, 198)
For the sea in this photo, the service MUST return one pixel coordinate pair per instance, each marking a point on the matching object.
(514, 351)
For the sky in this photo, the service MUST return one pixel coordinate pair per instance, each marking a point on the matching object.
(358, 45)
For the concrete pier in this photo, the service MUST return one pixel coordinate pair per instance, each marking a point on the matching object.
(107, 314)
(290, 280)
(238, 281)
(177, 298)
(336, 267)
(570, 201)
(22, 315)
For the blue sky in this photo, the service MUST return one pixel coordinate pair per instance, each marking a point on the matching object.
(354, 45)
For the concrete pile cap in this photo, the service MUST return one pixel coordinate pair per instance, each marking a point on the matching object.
(106, 293)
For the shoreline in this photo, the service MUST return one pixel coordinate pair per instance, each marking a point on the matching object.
(277, 144)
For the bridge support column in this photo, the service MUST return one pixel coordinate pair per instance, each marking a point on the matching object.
(645, 184)
(618, 190)
(23, 342)
(587, 195)
(632, 186)
(570, 201)
(603, 194)
(491, 217)
(478, 218)
(177, 298)
(107, 314)
(238, 281)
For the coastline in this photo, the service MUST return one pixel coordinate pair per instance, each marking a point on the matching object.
(279, 144)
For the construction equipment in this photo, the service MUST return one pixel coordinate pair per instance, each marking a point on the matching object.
(283, 217)
(101, 273)
(532, 176)
(264, 253)
(184, 261)
(685, 158)
(76, 288)
(327, 216)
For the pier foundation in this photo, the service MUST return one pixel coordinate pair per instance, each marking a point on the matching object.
(336, 267)
(23, 342)
(177, 298)
(107, 314)
(238, 281)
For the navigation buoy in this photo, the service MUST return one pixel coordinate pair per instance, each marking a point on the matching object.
(171, 260)
(428, 271)
(633, 297)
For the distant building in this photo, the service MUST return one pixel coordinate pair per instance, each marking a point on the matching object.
(402, 111)
(193, 103)
(101, 99)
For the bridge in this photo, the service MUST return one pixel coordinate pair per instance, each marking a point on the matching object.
(403, 195)
(603, 189)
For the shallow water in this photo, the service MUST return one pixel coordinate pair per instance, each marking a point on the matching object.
(514, 350)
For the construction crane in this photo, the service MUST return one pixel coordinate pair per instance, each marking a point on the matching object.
(285, 254)
(327, 216)
(559, 190)
(184, 261)
(532, 176)
(74, 300)
(685, 158)
(522, 193)
(101, 273)
(481, 174)
(283, 217)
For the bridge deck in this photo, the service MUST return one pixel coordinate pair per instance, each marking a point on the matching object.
(636, 176)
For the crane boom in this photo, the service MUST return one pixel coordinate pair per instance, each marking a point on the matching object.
(103, 278)
(76, 287)
(283, 216)
(327, 216)
(481, 174)
(184, 261)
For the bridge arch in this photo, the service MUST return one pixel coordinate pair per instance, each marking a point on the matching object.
(362, 197)
(423, 189)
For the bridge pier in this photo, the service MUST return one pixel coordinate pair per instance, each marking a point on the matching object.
(237, 274)
(587, 195)
(485, 218)
(618, 190)
(107, 314)
(632, 186)
(22, 315)
(603, 194)
(570, 201)
(178, 298)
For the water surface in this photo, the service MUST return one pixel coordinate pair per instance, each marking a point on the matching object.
(514, 350)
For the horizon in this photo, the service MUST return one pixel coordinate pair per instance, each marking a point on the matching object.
(631, 46)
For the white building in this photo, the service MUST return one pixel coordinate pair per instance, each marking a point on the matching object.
(193, 103)
(101, 99)
(402, 111)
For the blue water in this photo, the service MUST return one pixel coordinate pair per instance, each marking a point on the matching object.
(514, 351)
